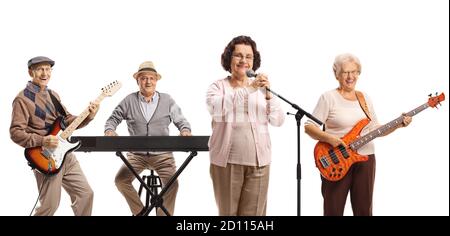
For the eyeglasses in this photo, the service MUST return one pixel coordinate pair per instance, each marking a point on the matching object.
(239, 56)
(43, 69)
(347, 73)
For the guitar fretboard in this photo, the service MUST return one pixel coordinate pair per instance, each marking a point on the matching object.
(74, 125)
(363, 140)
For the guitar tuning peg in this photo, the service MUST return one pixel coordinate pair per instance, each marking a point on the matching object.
(429, 95)
(436, 93)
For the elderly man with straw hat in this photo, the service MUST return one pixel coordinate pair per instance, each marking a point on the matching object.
(147, 112)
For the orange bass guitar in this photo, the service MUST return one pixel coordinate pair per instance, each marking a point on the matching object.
(334, 163)
(49, 161)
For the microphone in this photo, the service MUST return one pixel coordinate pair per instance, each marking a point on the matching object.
(251, 73)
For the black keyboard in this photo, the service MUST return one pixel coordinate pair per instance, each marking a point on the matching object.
(141, 143)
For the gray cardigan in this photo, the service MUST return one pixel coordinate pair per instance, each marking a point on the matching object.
(167, 111)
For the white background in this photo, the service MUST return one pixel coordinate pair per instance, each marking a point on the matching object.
(402, 44)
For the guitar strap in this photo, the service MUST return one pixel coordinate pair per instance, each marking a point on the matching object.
(362, 103)
(57, 104)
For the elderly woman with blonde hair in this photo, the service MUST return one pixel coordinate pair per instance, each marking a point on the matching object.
(340, 109)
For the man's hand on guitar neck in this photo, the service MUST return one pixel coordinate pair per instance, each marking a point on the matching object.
(50, 142)
(93, 109)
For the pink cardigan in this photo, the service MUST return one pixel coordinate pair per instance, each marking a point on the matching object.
(222, 101)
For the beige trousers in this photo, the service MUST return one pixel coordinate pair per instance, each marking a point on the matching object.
(72, 179)
(165, 167)
(240, 190)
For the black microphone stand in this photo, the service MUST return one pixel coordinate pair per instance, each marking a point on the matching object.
(298, 116)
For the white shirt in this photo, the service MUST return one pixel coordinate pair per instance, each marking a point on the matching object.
(340, 115)
(148, 108)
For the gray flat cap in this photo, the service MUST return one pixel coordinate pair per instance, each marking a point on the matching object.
(40, 59)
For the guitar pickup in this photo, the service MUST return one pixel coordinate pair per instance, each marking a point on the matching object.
(46, 153)
(343, 151)
(333, 156)
(323, 160)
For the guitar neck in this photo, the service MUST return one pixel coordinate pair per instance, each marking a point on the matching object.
(74, 125)
(382, 130)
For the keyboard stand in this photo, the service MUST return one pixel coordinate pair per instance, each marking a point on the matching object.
(157, 199)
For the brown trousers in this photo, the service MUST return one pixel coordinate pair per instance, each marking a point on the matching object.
(72, 179)
(165, 167)
(359, 181)
(240, 190)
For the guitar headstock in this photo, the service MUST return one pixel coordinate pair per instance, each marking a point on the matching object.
(434, 101)
(111, 88)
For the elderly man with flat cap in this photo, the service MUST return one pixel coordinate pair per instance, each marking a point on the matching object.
(35, 109)
(147, 112)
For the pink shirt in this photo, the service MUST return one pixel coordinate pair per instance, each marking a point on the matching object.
(223, 101)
